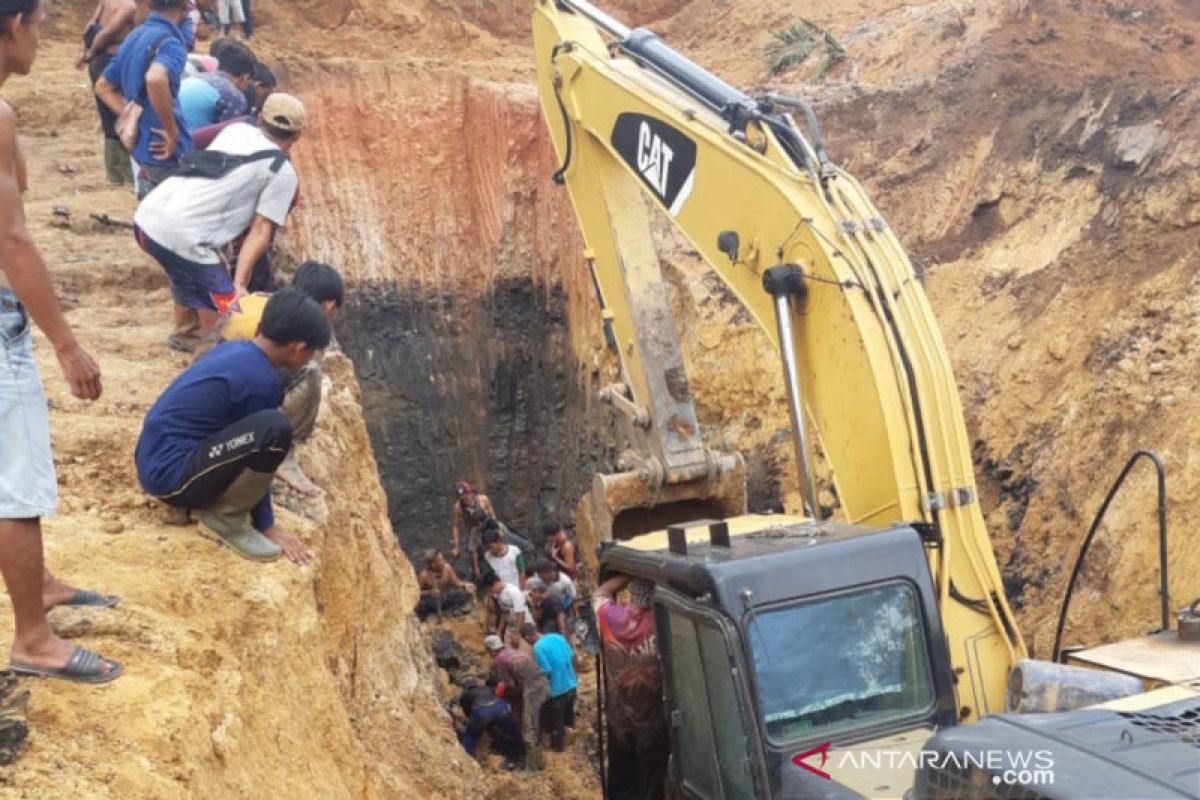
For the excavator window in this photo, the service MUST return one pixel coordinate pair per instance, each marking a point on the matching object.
(851, 660)
(708, 739)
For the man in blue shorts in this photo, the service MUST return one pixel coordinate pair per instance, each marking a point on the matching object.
(188, 219)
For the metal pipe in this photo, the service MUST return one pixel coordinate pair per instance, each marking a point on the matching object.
(597, 17)
(1164, 580)
(791, 379)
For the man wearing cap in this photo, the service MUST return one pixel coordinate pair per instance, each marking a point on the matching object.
(467, 515)
(187, 220)
(526, 690)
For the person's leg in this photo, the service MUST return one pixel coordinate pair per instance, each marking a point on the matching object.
(229, 474)
(223, 16)
(236, 15)
(426, 607)
(507, 735)
(569, 717)
(301, 403)
(28, 491)
(257, 443)
(248, 25)
(556, 719)
(533, 721)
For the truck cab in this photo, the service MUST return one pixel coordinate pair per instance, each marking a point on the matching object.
(785, 640)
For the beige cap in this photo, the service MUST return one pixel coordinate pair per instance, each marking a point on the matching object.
(493, 643)
(283, 111)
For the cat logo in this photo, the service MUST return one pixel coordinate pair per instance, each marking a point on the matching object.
(662, 156)
(654, 158)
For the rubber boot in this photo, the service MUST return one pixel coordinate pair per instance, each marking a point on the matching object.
(228, 521)
(117, 168)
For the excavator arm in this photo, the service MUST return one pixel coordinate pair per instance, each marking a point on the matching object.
(805, 251)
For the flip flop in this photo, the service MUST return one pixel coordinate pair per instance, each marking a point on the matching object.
(86, 597)
(82, 667)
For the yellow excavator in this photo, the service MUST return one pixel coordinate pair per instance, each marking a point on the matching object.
(791, 640)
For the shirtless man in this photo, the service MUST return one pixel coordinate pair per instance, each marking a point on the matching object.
(441, 589)
(28, 489)
(560, 548)
(104, 33)
(467, 515)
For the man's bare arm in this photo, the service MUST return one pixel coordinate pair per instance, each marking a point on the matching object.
(110, 95)
(611, 587)
(27, 274)
(253, 248)
(121, 19)
(455, 514)
(158, 91)
(486, 503)
(83, 48)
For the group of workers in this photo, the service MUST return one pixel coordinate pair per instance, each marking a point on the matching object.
(213, 443)
(530, 623)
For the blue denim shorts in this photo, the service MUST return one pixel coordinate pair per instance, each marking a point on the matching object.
(28, 487)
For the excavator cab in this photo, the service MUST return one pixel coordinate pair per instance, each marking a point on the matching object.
(781, 637)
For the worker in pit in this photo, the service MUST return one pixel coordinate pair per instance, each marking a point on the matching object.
(215, 438)
(441, 589)
(637, 732)
(467, 517)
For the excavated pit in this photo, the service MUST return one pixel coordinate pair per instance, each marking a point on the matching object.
(476, 387)
(471, 318)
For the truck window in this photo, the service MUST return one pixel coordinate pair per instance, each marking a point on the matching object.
(840, 662)
(688, 710)
(710, 741)
(732, 759)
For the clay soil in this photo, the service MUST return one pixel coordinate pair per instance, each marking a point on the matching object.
(1038, 158)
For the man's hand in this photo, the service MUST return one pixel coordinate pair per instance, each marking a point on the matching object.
(81, 59)
(293, 548)
(163, 148)
(240, 291)
(454, 551)
(80, 370)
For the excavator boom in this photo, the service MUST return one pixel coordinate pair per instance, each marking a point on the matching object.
(636, 126)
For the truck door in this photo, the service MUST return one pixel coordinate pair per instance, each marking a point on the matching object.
(714, 744)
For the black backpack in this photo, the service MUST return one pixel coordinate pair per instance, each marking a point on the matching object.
(213, 164)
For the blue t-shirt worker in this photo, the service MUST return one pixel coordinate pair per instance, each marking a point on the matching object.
(147, 70)
(214, 439)
(555, 658)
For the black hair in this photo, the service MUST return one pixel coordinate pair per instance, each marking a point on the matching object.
(278, 134)
(550, 528)
(319, 281)
(545, 565)
(293, 316)
(263, 75)
(490, 580)
(16, 8)
(235, 59)
(491, 535)
(528, 628)
(218, 44)
(157, 4)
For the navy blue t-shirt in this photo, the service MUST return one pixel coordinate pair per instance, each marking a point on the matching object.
(127, 72)
(228, 384)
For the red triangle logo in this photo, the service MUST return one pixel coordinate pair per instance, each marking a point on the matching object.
(823, 749)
